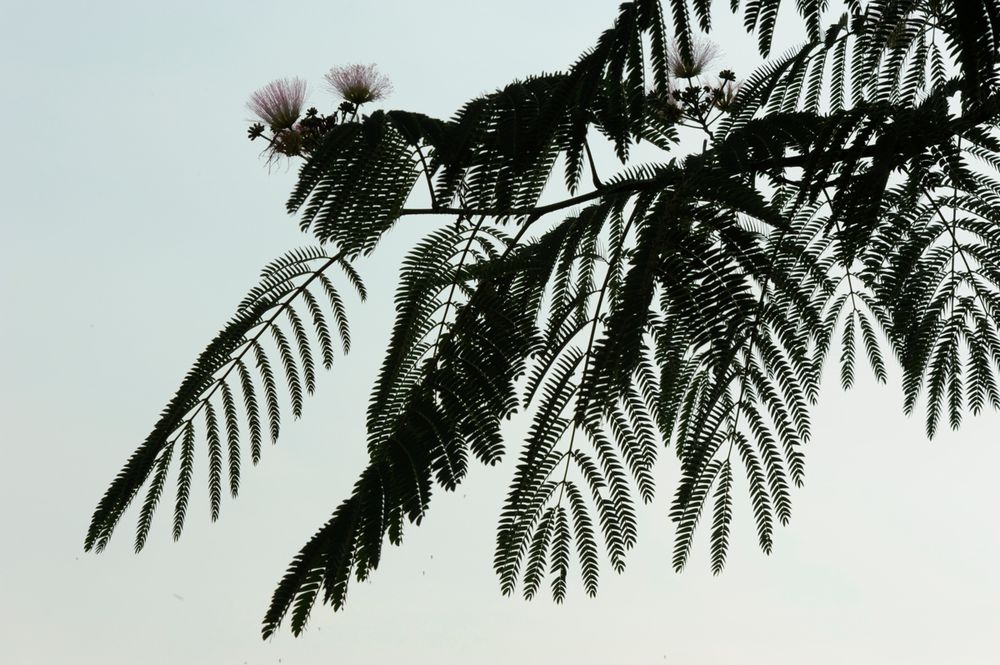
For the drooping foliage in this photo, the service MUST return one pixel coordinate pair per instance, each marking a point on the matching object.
(845, 203)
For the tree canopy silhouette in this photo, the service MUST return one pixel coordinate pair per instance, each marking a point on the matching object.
(845, 202)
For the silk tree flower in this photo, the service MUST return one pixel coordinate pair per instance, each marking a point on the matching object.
(358, 84)
(279, 103)
(725, 93)
(703, 52)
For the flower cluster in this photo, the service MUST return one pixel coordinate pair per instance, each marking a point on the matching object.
(696, 102)
(690, 97)
(279, 106)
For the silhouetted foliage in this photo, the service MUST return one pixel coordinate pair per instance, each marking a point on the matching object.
(845, 203)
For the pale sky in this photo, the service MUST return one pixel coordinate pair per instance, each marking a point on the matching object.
(136, 214)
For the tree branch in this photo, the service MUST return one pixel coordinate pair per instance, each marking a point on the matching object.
(537, 211)
(910, 148)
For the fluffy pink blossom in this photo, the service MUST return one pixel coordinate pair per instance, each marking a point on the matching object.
(358, 84)
(279, 103)
(726, 94)
(703, 52)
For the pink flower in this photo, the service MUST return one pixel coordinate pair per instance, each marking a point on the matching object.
(703, 52)
(358, 84)
(725, 94)
(279, 103)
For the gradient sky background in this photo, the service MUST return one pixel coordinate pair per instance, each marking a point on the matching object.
(136, 214)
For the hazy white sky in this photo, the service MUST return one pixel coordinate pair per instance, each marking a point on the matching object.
(135, 214)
